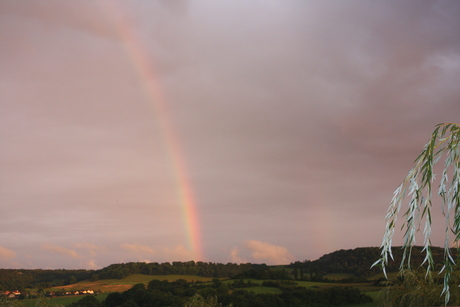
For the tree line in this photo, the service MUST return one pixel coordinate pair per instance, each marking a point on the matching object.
(204, 269)
(18, 279)
(358, 262)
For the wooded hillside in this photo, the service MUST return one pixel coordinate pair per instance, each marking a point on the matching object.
(358, 261)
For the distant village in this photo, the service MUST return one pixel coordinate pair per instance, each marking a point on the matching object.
(17, 294)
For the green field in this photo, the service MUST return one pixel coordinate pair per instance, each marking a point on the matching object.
(119, 285)
(338, 276)
(269, 290)
(189, 278)
(254, 281)
(391, 275)
(64, 300)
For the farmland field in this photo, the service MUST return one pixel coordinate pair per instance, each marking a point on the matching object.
(338, 276)
(119, 285)
(260, 289)
(64, 300)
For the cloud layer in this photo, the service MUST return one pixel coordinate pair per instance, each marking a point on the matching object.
(290, 122)
(6, 254)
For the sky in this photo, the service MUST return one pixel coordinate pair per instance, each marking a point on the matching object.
(263, 131)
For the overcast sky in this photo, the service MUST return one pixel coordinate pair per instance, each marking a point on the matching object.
(262, 131)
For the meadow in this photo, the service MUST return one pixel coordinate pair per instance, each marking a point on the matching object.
(64, 300)
(107, 286)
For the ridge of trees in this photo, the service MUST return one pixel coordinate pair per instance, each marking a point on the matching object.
(19, 279)
(353, 261)
(358, 262)
(205, 269)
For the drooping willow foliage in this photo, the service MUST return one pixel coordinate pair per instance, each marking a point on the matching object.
(417, 188)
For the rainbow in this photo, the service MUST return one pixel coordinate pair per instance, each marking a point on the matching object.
(145, 69)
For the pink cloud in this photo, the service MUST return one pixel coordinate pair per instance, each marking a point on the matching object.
(266, 252)
(60, 250)
(90, 264)
(6, 254)
(179, 253)
(138, 249)
(234, 257)
(90, 248)
(143, 252)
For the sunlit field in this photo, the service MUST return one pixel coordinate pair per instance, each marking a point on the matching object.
(119, 285)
